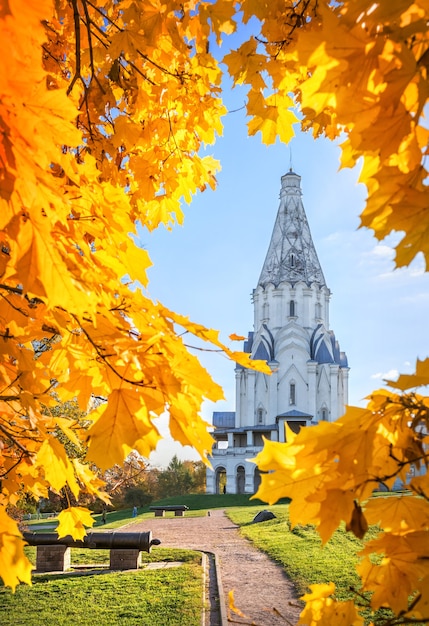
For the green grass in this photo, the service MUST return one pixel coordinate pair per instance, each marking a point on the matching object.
(83, 556)
(303, 557)
(166, 597)
(114, 519)
(199, 501)
(300, 551)
(198, 505)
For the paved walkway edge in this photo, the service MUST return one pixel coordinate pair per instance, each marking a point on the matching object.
(213, 562)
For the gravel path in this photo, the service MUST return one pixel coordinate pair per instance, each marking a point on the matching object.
(261, 589)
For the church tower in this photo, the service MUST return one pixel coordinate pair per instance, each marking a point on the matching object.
(309, 380)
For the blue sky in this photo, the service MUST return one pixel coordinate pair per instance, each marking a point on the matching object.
(208, 268)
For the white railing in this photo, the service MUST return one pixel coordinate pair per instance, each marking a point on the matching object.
(250, 450)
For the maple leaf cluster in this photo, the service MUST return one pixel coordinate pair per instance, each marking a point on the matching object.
(330, 472)
(104, 108)
(355, 69)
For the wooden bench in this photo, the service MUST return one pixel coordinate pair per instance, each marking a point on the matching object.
(53, 554)
(179, 509)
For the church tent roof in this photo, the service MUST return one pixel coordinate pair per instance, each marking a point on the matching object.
(291, 255)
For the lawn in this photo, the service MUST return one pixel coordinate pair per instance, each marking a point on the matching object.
(300, 551)
(198, 505)
(303, 557)
(164, 597)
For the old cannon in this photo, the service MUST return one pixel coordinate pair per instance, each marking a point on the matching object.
(53, 553)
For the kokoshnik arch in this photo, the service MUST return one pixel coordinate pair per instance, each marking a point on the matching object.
(309, 380)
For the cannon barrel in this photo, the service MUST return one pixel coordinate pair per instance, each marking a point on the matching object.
(112, 540)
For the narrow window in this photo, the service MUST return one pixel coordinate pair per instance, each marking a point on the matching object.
(265, 311)
(260, 416)
(292, 393)
(292, 308)
(318, 310)
(324, 414)
(292, 260)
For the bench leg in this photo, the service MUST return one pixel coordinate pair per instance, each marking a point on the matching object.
(179, 513)
(159, 513)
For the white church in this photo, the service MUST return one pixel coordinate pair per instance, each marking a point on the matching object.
(309, 380)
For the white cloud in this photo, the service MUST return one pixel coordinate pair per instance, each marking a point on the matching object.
(390, 375)
(382, 251)
(418, 298)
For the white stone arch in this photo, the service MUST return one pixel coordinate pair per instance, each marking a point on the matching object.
(240, 478)
(257, 479)
(220, 479)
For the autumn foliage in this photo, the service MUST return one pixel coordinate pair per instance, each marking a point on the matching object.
(104, 107)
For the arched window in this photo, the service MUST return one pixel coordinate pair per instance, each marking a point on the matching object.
(292, 308)
(292, 393)
(324, 414)
(292, 260)
(260, 416)
(318, 310)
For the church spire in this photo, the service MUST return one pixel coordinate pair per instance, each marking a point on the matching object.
(291, 255)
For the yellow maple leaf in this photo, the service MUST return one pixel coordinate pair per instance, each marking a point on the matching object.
(74, 521)
(93, 484)
(220, 14)
(14, 565)
(322, 610)
(232, 606)
(121, 425)
(187, 427)
(398, 514)
(246, 62)
(409, 381)
(271, 116)
(395, 577)
(52, 460)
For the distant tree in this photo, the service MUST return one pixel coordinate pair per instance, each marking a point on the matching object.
(120, 479)
(137, 496)
(198, 472)
(179, 478)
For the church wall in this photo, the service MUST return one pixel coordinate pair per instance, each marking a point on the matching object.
(261, 399)
(272, 305)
